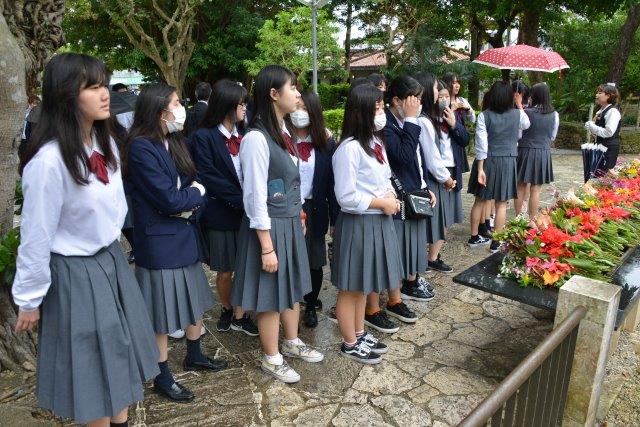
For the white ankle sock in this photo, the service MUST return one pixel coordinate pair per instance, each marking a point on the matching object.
(274, 360)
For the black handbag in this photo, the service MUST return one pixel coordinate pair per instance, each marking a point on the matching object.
(415, 204)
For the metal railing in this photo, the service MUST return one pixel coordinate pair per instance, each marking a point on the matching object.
(535, 392)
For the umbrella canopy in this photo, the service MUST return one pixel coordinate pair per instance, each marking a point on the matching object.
(522, 57)
(122, 102)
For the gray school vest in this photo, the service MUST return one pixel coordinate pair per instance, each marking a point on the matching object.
(502, 133)
(283, 182)
(540, 132)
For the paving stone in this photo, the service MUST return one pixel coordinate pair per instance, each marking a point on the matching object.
(514, 316)
(450, 353)
(456, 311)
(384, 378)
(423, 332)
(417, 367)
(317, 416)
(491, 324)
(402, 412)
(357, 416)
(399, 350)
(422, 394)
(354, 396)
(473, 296)
(282, 400)
(474, 336)
(453, 380)
(453, 409)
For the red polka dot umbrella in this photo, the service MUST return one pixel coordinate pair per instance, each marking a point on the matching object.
(522, 57)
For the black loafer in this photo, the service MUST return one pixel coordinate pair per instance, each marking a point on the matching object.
(177, 392)
(209, 365)
(310, 317)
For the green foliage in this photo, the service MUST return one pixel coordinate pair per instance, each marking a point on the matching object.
(286, 40)
(587, 47)
(333, 95)
(571, 135)
(8, 252)
(333, 120)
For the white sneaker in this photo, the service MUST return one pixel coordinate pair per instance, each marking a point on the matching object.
(282, 372)
(203, 331)
(301, 351)
(177, 335)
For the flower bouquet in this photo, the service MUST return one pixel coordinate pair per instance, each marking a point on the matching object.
(586, 232)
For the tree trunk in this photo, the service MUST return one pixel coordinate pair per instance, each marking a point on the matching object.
(16, 351)
(347, 39)
(529, 35)
(627, 34)
(474, 81)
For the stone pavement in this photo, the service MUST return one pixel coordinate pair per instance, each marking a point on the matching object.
(436, 371)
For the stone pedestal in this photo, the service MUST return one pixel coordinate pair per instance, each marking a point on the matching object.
(592, 346)
(633, 318)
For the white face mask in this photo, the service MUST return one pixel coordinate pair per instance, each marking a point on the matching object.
(180, 116)
(300, 119)
(380, 120)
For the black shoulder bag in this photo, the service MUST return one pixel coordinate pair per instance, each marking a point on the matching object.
(415, 204)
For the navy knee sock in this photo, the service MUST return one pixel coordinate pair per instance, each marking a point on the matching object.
(164, 379)
(194, 352)
(124, 424)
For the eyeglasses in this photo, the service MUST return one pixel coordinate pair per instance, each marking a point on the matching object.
(242, 105)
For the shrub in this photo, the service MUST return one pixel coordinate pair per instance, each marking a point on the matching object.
(333, 120)
(571, 135)
(333, 96)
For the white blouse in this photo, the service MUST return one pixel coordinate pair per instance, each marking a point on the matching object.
(254, 160)
(359, 177)
(62, 217)
(307, 170)
(612, 120)
(436, 164)
(469, 114)
(235, 159)
(482, 142)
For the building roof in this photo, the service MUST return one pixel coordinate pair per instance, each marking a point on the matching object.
(363, 60)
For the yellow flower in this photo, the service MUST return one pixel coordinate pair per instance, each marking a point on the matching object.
(550, 278)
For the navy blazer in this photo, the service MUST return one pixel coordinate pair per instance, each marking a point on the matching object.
(401, 145)
(161, 241)
(216, 172)
(325, 206)
(459, 140)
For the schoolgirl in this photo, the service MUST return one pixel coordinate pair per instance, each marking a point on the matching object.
(459, 105)
(165, 196)
(442, 139)
(315, 147)
(606, 124)
(493, 174)
(534, 148)
(95, 345)
(378, 80)
(272, 267)
(216, 153)
(406, 160)
(366, 252)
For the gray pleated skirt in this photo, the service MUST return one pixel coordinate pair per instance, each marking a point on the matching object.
(222, 249)
(175, 298)
(316, 246)
(128, 220)
(501, 175)
(96, 345)
(534, 166)
(366, 254)
(448, 211)
(256, 290)
(412, 239)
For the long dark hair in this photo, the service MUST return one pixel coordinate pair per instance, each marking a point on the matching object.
(317, 128)
(501, 98)
(521, 87)
(427, 80)
(541, 99)
(152, 101)
(359, 113)
(60, 117)
(264, 113)
(449, 79)
(223, 103)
